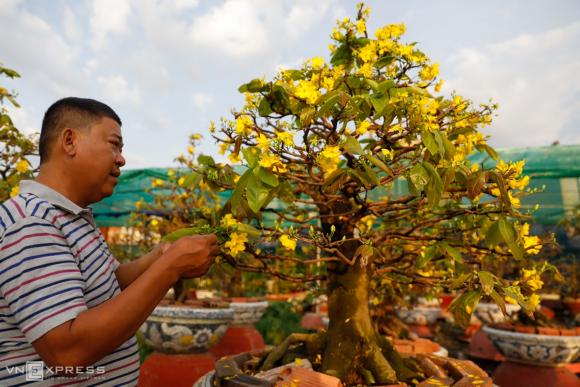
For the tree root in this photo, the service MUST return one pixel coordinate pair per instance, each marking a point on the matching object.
(314, 342)
(406, 369)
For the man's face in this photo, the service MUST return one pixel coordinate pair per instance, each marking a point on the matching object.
(99, 159)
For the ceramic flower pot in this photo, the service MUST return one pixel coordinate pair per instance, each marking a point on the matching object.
(492, 314)
(248, 313)
(531, 348)
(184, 330)
(420, 315)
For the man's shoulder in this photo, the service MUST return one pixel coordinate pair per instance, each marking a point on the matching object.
(25, 209)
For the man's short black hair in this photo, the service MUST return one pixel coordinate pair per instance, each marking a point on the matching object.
(70, 112)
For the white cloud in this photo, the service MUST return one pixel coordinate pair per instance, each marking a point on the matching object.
(201, 100)
(304, 15)
(72, 30)
(235, 28)
(534, 80)
(116, 89)
(108, 16)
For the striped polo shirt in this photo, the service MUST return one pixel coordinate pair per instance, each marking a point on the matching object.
(54, 264)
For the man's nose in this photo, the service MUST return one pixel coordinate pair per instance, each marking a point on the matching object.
(120, 160)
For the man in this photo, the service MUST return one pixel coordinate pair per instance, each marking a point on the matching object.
(64, 299)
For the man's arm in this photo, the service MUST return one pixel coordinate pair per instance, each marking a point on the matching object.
(97, 332)
(130, 271)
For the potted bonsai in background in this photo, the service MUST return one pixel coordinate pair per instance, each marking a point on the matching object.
(326, 149)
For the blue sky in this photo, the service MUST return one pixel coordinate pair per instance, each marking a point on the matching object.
(168, 67)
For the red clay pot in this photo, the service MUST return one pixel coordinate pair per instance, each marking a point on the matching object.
(446, 300)
(573, 305)
(238, 339)
(482, 348)
(512, 374)
(161, 370)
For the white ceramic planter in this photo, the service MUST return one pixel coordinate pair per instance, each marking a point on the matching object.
(180, 330)
(535, 349)
(491, 313)
(248, 313)
(420, 315)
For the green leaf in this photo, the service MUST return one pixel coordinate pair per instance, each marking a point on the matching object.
(437, 136)
(361, 178)
(266, 176)
(256, 194)
(382, 166)
(264, 109)
(487, 281)
(247, 229)
(328, 103)
(237, 195)
(352, 146)
(371, 174)
(335, 180)
(419, 176)
(384, 61)
(499, 301)
(255, 85)
(493, 236)
(475, 183)
(461, 280)
(463, 306)
(428, 140)
(252, 156)
(206, 160)
(452, 252)
(422, 260)
(306, 116)
(507, 231)
(342, 55)
(379, 102)
(499, 180)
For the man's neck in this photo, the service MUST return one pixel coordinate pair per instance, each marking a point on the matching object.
(57, 179)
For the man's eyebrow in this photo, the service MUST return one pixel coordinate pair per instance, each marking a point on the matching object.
(118, 138)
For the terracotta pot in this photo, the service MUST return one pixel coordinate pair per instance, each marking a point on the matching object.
(446, 300)
(513, 374)
(481, 347)
(535, 349)
(419, 318)
(161, 370)
(238, 339)
(181, 330)
(573, 305)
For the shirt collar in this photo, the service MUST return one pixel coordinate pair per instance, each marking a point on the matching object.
(52, 196)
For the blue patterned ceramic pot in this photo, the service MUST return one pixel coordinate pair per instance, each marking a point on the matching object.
(182, 329)
(531, 348)
(248, 313)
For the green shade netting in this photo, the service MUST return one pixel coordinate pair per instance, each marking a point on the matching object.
(555, 170)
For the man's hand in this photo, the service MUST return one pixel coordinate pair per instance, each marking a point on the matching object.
(190, 256)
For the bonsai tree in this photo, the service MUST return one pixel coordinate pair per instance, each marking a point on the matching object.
(362, 159)
(15, 147)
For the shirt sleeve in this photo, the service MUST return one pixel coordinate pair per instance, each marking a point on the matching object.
(40, 279)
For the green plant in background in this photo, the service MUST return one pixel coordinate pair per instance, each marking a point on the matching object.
(279, 320)
(16, 149)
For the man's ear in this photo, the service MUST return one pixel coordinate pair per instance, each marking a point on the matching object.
(68, 141)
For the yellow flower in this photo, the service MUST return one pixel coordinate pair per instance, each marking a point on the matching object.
(14, 191)
(390, 31)
(510, 300)
(288, 243)
(286, 137)
(223, 147)
(22, 166)
(429, 72)
(388, 153)
(369, 52)
(244, 125)
(228, 221)
(307, 91)
(327, 83)
(154, 223)
(263, 142)
(190, 150)
(157, 183)
(268, 160)
(439, 85)
(366, 70)
(363, 127)
(317, 62)
(534, 301)
(361, 26)
(181, 181)
(236, 244)
(234, 158)
(328, 159)
(171, 173)
(366, 223)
